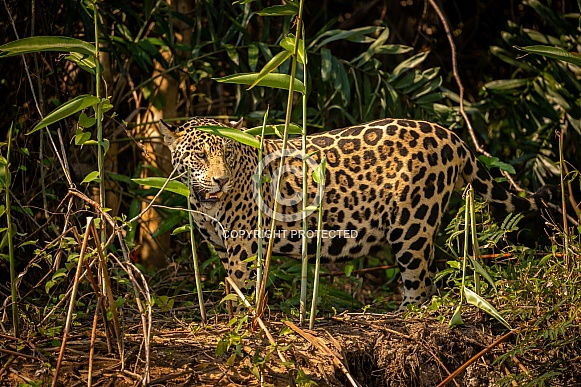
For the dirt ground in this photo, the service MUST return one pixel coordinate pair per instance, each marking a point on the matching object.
(374, 350)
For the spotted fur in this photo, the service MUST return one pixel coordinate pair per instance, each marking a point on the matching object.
(388, 180)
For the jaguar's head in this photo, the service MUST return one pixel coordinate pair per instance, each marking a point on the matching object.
(207, 157)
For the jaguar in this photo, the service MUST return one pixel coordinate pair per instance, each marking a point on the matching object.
(386, 182)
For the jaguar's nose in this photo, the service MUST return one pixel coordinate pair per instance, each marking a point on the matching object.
(222, 180)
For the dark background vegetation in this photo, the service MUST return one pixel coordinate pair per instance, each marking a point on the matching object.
(159, 61)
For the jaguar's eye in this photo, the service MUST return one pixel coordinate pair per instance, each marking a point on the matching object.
(201, 155)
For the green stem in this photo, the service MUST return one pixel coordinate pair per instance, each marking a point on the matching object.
(304, 240)
(99, 118)
(563, 193)
(289, 107)
(475, 249)
(10, 235)
(317, 259)
(466, 238)
(195, 259)
(260, 204)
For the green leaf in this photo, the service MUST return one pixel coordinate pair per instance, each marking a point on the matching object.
(274, 129)
(326, 64)
(393, 49)
(232, 53)
(179, 230)
(85, 121)
(81, 137)
(229, 297)
(272, 65)
(252, 56)
(553, 52)
(288, 43)
(481, 303)
(92, 176)
(233, 134)
(66, 109)
(158, 182)
(492, 162)
(348, 269)
(506, 84)
(357, 35)
(319, 173)
(105, 143)
(456, 318)
(480, 270)
(278, 81)
(408, 64)
(341, 81)
(86, 62)
(508, 57)
(46, 43)
(289, 9)
(373, 48)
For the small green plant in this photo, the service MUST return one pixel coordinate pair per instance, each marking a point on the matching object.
(472, 296)
(233, 338)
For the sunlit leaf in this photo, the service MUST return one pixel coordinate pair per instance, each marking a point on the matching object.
(158, 182)
(84, 61)
(181, 229)
(66, 109)
(46, 43)
(288, 43)
(319, 173)
(81, 137)
(482, 304)
(456, 318)
(92, 176)
(277, 81)
(272, 65)
(233, 134)
(274, 129)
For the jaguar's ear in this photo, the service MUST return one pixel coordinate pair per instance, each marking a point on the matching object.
(237, 124)
(169, 134)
